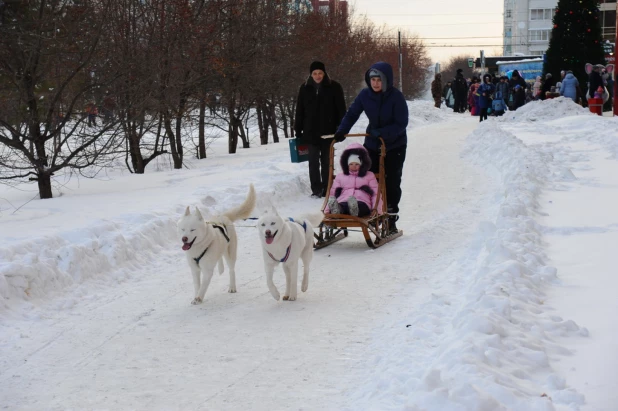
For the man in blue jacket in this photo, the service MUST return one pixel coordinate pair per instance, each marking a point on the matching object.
(387, 111)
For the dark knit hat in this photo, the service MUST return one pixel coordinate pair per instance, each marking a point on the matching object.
(459, 70)
(317, 65)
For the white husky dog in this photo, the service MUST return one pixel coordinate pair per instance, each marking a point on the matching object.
(286, 241)
(207, 242)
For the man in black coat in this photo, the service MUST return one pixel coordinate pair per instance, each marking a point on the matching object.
(319, 110)
(460, 90)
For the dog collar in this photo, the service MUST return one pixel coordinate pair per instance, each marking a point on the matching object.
(285, 257)
(197, 260)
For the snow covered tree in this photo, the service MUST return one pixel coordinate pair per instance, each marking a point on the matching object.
(575, 39)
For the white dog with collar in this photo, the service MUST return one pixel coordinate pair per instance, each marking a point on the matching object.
(285, 241)
(206, 243)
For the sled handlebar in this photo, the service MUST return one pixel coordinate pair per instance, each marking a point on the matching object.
(347, 135)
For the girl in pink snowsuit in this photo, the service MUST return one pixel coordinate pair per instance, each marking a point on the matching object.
(355, 189)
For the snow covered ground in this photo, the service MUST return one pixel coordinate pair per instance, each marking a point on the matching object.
(499, 296)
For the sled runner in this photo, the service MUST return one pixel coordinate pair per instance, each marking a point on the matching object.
(374, 227)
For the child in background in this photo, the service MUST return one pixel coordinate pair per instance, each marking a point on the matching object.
(355, 189)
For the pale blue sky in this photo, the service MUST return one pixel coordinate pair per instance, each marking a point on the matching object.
(441, 22)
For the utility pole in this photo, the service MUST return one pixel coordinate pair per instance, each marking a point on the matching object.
(615, 83)
(482, 63)
(400, 65)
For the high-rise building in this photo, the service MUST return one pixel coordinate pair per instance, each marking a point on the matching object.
(528, 25)
(330, 6)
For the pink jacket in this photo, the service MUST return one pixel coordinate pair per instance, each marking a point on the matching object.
(362, 184)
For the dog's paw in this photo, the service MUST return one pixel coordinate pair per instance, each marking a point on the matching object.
(286, 297)
(304, 287)
(275, 295)
(291, 298)
(231, 290)
(196, 300)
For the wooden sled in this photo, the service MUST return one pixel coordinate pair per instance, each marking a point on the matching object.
(374, 227)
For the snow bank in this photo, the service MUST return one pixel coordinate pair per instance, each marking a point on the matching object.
(544, 110)
(494, 350)
(423, 112)
(36, 269)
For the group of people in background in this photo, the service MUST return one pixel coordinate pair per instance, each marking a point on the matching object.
(493, 95)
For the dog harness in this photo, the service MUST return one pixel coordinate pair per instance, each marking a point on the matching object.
(285, 257)
(287, 252)
(197, 259)
(303, 225)
(222, 230)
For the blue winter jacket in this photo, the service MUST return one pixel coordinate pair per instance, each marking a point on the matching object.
(569, 87)
(386, 111)
(487, 89)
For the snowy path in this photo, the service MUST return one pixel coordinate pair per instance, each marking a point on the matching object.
(141, 345)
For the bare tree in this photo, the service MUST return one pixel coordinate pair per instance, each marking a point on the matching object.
(449, 70)
(133, 97)
(51, 63)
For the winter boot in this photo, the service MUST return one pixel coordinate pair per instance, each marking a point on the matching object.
(333, 205)
(392, 227)
(353, 206)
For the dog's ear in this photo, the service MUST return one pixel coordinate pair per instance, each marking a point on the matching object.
(188, 211)
(198, 214)
(273, 210)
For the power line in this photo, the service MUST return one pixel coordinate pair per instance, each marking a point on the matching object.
(450, 24)
(458, 38)
(463, 45)
(434, 14)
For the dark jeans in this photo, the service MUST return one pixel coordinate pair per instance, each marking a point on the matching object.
(363, 209)
(483, 114)
(460, 105)
(393, 167)
(319, 155)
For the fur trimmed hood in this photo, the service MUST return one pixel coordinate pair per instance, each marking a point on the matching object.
(359, 150)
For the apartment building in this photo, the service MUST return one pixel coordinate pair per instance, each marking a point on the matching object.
(528, 25)
(330, 6)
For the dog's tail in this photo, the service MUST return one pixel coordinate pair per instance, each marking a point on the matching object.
(245, 209)
(314, 219)
(221, 268)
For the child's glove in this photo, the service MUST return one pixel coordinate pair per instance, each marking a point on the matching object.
(366, 189)
(375, 132)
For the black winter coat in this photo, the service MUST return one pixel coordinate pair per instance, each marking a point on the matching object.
(319, 110)
(460, 87)
(596, 81)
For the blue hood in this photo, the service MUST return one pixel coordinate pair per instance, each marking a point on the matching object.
(386, 70)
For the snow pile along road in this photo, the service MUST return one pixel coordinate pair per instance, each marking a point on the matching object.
(423, 112)
(486, 340)
(546, 110)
